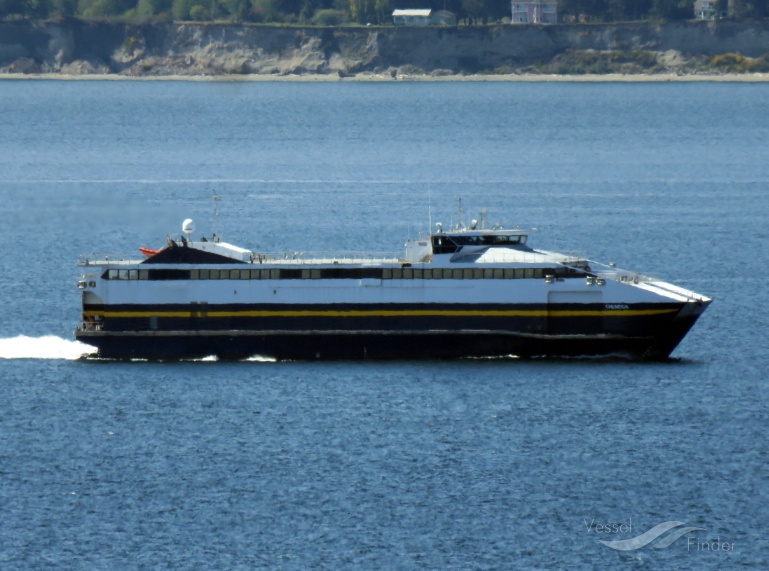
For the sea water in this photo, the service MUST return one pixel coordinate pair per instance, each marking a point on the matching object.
(475, 464)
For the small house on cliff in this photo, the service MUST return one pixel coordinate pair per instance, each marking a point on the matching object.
(420, 17)
(707, 10)
(534, 12)
(424, 17)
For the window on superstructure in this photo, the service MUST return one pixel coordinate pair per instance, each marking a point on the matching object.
(443, 245)
(339, 273)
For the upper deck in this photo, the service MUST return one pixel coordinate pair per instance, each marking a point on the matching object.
(460, 246)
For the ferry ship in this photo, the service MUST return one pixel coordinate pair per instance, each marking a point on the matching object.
(460, 293)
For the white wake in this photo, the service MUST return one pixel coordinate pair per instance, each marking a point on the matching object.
(46, 347)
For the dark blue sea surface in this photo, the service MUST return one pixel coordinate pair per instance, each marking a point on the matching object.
(474, 464)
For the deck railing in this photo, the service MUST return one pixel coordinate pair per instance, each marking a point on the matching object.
(97, 258)
(353, 257)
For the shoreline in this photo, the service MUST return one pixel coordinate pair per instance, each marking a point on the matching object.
(634, 52)
(384, 78)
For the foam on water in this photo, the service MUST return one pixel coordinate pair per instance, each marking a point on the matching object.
(207, 359)
(46, 347)
(260, 359)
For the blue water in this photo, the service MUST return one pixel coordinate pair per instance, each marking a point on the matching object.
(485, 464)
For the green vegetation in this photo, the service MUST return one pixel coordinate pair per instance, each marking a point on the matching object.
(737, 63)
(580, 62)
(340, 12)
(598, 62)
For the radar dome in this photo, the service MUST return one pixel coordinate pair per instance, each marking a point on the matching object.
(188, 226)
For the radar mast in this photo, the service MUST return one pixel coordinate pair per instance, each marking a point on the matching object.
(215, 198)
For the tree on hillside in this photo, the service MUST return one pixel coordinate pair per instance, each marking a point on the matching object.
(153, 7)
(673, 9)
(581, 9)
(474, 9)
(636, 9)
(363, 11)
(744, 9)
(199, 10)
(104, 8)
(384, 10)
(264, 11)
(63, 8)
(236, 9)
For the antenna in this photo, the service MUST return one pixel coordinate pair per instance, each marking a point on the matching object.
(215, 198)
(429, 212)
(484, 212)
(460, 212)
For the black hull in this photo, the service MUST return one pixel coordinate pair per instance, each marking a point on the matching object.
(240, 345)
(647, 335)
(341, 346)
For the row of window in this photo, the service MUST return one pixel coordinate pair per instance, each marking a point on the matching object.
(450, 244)
(337, 273)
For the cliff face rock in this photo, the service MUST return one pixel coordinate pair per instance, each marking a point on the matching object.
(79, 47)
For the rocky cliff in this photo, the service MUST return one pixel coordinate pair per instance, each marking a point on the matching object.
(79, 47)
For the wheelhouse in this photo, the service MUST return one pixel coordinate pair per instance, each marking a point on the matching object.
(449, 243)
